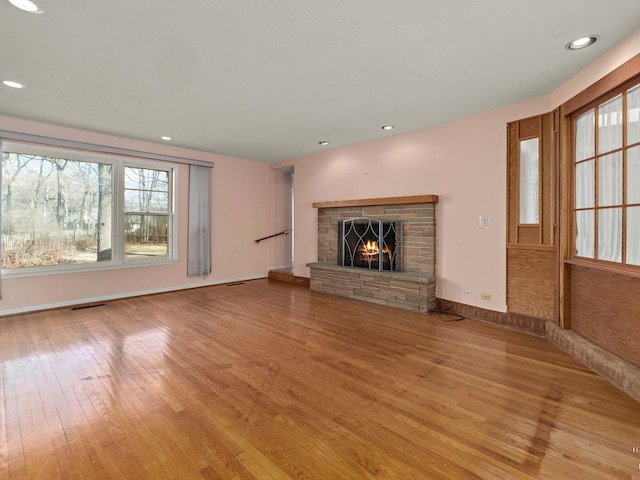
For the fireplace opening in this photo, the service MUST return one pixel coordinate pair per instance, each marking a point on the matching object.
(369, 243)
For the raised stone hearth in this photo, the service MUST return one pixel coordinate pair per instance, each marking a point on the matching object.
(411, 288)
(409, 291)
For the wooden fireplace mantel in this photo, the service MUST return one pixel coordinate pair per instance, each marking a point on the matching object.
(378, 201)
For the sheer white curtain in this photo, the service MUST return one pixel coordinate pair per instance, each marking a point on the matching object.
(610, 219)
(633, 115)
(610, 125)
(610, 180)
(606, 212)
(633, 177)
(633, 235)
(199, 248)
(585, 243)
(585, 185)
(633, 213)
(585, 138)
(610, 234)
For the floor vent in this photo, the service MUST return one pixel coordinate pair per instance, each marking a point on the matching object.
(82, 307)
(234, 284)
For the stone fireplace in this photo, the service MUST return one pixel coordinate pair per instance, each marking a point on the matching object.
(381, 233)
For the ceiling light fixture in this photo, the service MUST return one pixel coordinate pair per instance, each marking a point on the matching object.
(26, 6)
(323, 143)
(582, 42)
(12, 84)
(166, 138)
(387, 127)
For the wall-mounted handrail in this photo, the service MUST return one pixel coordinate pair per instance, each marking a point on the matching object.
(284, 232)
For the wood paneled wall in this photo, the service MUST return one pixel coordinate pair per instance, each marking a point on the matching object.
(605, 307)
(530, 286)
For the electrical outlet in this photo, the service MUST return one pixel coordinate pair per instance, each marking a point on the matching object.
(466, 293)
(485, 296)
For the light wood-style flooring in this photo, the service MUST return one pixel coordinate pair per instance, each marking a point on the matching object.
(267, 380)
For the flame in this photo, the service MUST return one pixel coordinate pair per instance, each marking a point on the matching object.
(371, 249)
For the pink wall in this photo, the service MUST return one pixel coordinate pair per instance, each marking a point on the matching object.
(463, 162)
(240, 215)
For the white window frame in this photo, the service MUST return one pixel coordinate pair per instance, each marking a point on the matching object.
(118, 162)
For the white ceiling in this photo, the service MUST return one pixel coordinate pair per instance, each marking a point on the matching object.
(267, 80)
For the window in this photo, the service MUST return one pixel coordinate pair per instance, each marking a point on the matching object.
(607, 179)
(529, 181)
(66, 208)
(146, 213)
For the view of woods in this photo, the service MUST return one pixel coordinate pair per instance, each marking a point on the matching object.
(146, 212)
(57, 211)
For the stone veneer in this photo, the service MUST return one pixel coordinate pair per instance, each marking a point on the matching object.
(413, 288)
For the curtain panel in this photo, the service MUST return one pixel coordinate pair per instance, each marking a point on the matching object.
(1, 203)
(199, 248)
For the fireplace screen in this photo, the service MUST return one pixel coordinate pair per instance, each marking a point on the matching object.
(369, 243)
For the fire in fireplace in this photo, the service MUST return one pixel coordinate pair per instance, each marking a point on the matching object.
(369, 243)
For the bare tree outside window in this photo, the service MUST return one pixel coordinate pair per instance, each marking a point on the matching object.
(63, 207)
(147, 207)
(50, 210)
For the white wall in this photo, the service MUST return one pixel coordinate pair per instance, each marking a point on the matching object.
(240, 216)
(463, 162)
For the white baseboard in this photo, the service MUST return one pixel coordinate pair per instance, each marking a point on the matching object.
(81, 301)
(280, 267)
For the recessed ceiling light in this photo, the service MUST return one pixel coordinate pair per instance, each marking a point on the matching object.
(166, 138)
(12, 84)
(323, 143)
(387, 127)
(582, 42)
(26, 6)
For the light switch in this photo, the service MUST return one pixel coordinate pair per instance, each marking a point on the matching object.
(484, 221)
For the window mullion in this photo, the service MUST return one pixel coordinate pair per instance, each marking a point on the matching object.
(118, 213)
(624, 178)
(173, 225)
(596, 185)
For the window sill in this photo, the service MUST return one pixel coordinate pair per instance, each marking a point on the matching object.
(71, 269)
(626, 270)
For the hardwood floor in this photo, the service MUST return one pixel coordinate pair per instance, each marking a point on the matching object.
(268, 380)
